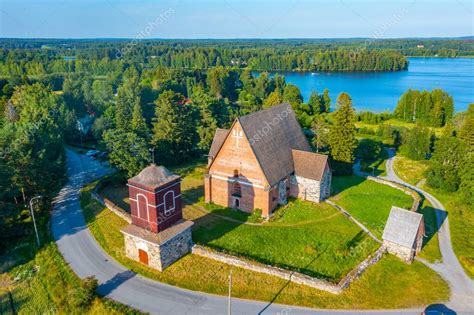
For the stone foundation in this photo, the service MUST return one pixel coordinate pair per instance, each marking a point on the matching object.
(407, 254)
(158, 250)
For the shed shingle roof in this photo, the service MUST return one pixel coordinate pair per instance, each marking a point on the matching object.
(402, 227)
(218, 141)
(273, 133)
(309, 165)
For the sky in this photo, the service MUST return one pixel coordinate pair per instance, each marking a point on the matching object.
(235, 18)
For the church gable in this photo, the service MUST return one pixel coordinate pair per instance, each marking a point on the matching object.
(236, 156)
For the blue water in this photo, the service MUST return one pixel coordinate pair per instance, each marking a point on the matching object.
(379, 92)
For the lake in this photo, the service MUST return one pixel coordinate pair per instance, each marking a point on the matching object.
(380, 91)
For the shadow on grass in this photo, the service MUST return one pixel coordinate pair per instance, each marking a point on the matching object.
(341, 183)
(433, 219)
(193, 194)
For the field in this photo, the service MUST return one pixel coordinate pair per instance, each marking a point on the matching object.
(397, 285)
(368, 201)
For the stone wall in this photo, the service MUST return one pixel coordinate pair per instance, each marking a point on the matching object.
(308, 189)
(295, 277)
(162, 255)
(112, 206)
(405, 253)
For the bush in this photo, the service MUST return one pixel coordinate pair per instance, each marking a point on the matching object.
(82, 296)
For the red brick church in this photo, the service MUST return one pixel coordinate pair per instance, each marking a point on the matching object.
(263, 159)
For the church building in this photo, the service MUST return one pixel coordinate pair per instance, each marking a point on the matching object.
(263, 159)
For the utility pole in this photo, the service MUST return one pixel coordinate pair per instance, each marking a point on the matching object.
(229, 307)
(33, 217)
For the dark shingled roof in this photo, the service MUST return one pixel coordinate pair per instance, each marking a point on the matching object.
(309, 165)
(153, 176)
(218, 141)
(402, 227)
(273, 133)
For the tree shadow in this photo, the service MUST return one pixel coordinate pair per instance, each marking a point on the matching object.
(341, 183)
(113, 283)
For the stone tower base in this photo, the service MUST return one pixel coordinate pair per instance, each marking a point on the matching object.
(158, 250)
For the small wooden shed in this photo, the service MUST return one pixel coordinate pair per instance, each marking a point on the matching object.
(403, 233)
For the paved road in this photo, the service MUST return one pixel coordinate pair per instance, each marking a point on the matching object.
(86, 258)
(462, 287)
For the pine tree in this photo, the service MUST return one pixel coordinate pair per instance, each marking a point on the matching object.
(326, 101)
(417, 143)
(342, 136)
(174, 131)
(138, 124)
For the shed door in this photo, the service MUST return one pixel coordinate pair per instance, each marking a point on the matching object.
(143, 256)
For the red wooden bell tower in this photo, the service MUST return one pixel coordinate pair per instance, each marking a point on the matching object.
(155, 198)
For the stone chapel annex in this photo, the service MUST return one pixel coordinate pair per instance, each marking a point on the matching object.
(263, 159)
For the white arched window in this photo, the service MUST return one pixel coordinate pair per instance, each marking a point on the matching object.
(169, 204)
(142, 206)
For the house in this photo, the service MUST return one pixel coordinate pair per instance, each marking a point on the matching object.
(263, 159)
(403, 233)
(158, 235)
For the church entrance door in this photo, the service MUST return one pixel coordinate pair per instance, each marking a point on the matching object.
(143, 256)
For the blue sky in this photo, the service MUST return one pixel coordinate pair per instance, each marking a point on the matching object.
(235, 18)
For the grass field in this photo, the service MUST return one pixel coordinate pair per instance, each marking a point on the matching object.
(388, 284)
(319, 241)
(410, 171)
(368, 201)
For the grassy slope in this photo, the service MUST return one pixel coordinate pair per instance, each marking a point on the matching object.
(410, 171)
(461, 218)
(325, 250)
(368, 201)
(388, 284)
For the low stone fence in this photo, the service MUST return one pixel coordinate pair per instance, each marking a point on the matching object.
(109, 204)
(417, 198)
(295, 277)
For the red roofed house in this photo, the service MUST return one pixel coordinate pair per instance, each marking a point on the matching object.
(158, 235)
(263, 159)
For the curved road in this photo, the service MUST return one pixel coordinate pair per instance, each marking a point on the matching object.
(87, 258)
(462, 287)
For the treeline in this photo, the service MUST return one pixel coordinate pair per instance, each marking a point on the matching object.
(33, 125)
(433, 108)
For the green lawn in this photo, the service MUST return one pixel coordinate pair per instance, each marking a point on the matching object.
(368, 201)
(328, 248)
(388, 284)
(375, 167)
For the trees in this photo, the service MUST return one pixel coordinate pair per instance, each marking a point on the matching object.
(433, 108)
(128, 152)
(342, 139)
(417, 143)
(273, 99)
(292, 95)
(445, 163)
(173, 128)
(320, 128)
